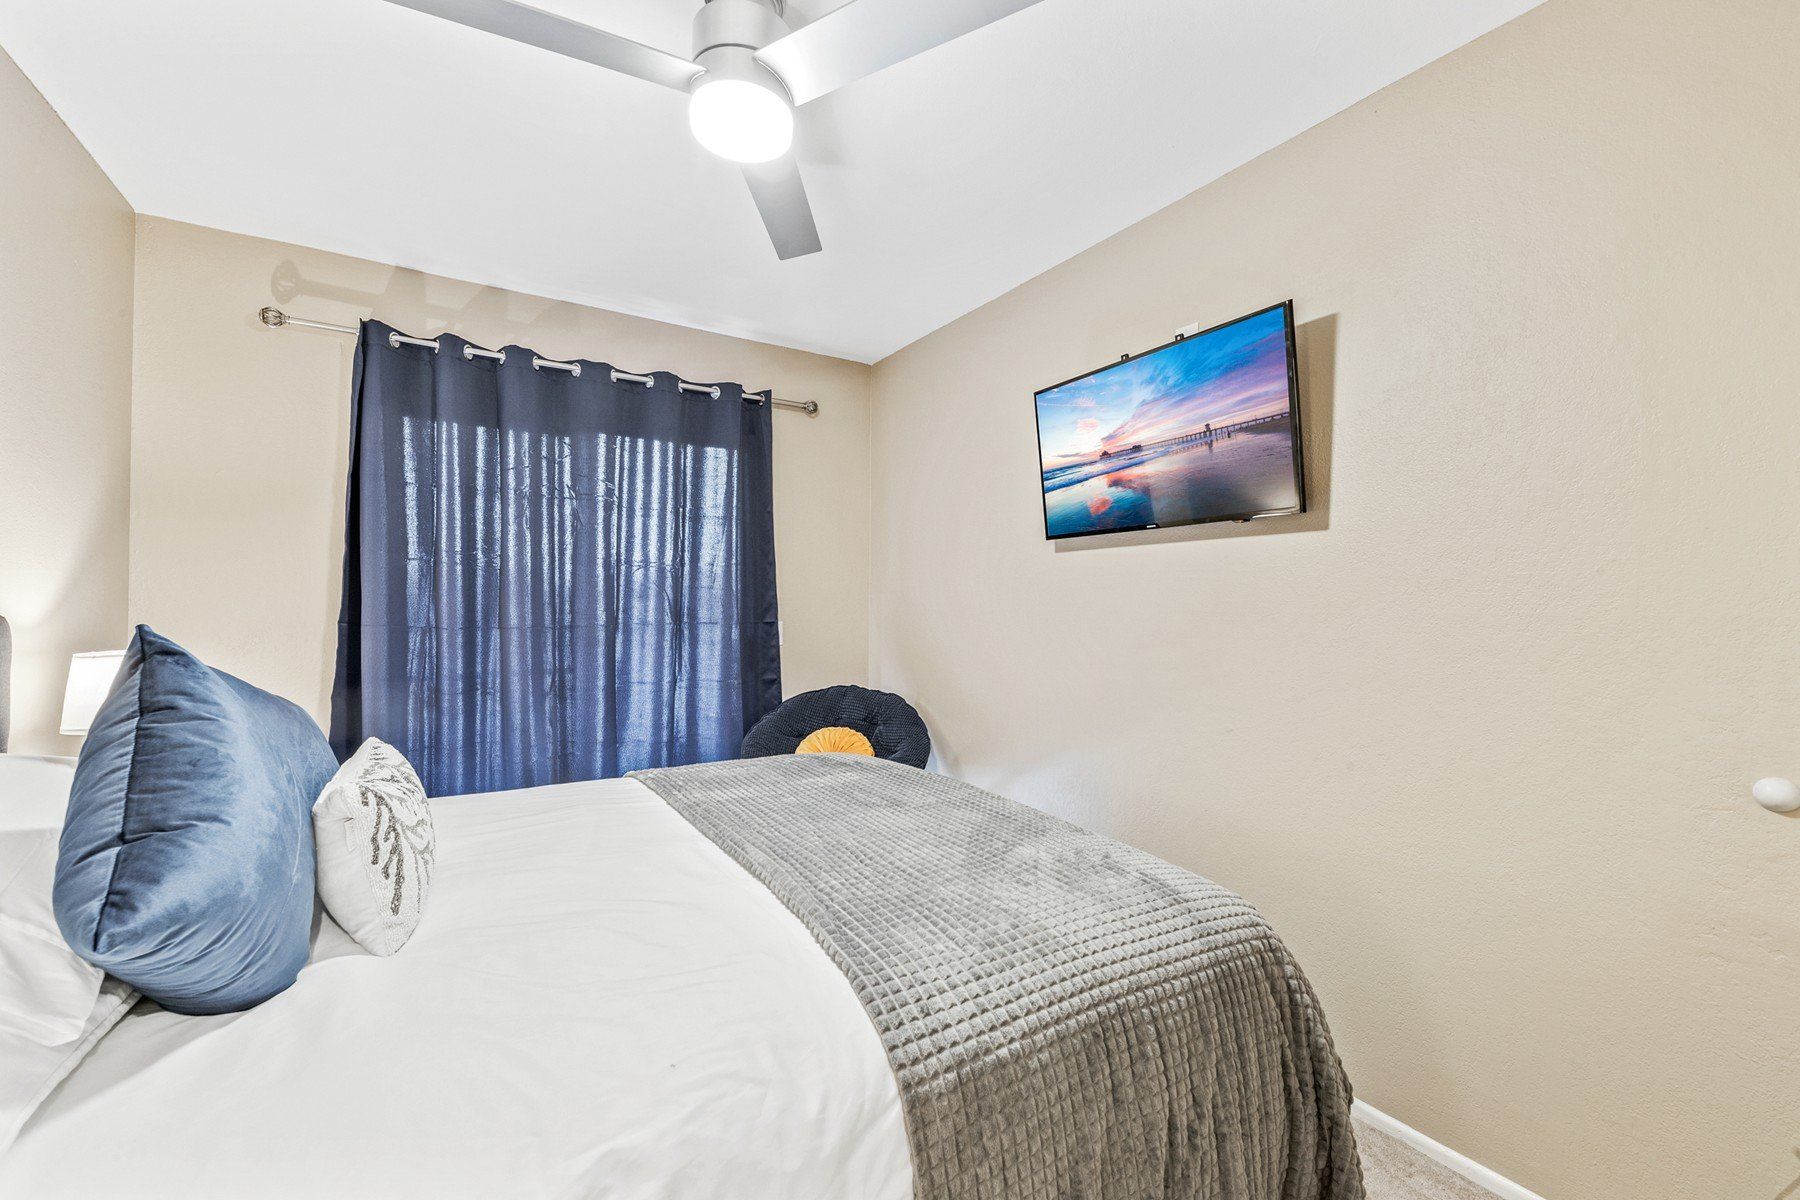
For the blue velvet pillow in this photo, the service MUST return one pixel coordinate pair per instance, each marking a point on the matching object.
(186, 866)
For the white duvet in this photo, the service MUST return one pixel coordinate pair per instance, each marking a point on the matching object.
(598, 1003)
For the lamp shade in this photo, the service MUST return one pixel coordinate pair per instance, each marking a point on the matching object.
(90, 679)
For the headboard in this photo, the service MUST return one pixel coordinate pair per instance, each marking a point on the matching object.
(5, 682)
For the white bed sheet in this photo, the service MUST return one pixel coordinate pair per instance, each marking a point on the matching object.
(598, 1003)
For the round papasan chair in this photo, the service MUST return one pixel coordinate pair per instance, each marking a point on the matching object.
(845, 719)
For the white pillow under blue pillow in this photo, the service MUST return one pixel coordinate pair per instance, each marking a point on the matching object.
(186, 863)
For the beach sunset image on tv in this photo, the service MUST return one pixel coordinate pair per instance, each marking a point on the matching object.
(1200, 430)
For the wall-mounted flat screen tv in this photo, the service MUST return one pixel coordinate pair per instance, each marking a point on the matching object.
(1206, 428)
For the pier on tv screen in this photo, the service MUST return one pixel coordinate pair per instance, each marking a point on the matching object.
(1206, 428)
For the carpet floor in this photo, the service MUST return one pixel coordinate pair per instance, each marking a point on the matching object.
(1393, 1170)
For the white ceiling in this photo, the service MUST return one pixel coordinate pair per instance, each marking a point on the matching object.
(361, 127)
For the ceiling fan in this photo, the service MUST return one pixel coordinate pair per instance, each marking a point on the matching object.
(749, 72)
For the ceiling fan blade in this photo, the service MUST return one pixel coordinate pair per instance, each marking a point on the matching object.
(534, 27)
(865, 36)
(781, 199)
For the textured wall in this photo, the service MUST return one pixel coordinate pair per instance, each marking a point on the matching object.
(1478, 732)
(240, 440)
(65, 395)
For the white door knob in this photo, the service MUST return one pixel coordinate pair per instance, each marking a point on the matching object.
(1776, 795)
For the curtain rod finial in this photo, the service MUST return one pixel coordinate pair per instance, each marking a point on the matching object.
(274, 318)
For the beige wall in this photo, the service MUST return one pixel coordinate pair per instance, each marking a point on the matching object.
(1478, 733)
(240, 436)
(65, 395)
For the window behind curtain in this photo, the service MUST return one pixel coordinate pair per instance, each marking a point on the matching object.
(547, 577)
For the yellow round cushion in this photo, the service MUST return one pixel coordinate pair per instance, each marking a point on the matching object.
(835, 739)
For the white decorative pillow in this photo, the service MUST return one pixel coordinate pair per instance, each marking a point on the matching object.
(376, 846)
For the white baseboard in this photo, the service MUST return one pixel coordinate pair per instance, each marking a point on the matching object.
(1439, 1153)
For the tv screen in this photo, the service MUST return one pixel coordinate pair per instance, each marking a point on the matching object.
(1206, 428)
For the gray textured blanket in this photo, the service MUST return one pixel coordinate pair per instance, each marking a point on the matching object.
(1066, 1016)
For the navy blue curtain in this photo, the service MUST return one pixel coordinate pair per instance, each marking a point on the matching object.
(550, 577)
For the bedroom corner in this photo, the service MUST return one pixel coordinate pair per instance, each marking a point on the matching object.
(66, 237)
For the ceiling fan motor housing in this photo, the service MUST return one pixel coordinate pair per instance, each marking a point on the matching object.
(727, 33)
(751, 24)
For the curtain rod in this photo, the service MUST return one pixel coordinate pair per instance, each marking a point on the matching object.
(274, 318)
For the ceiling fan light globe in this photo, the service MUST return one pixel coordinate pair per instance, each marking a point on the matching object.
(740, 121)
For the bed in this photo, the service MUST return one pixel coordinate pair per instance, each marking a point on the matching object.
(606, 1001)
